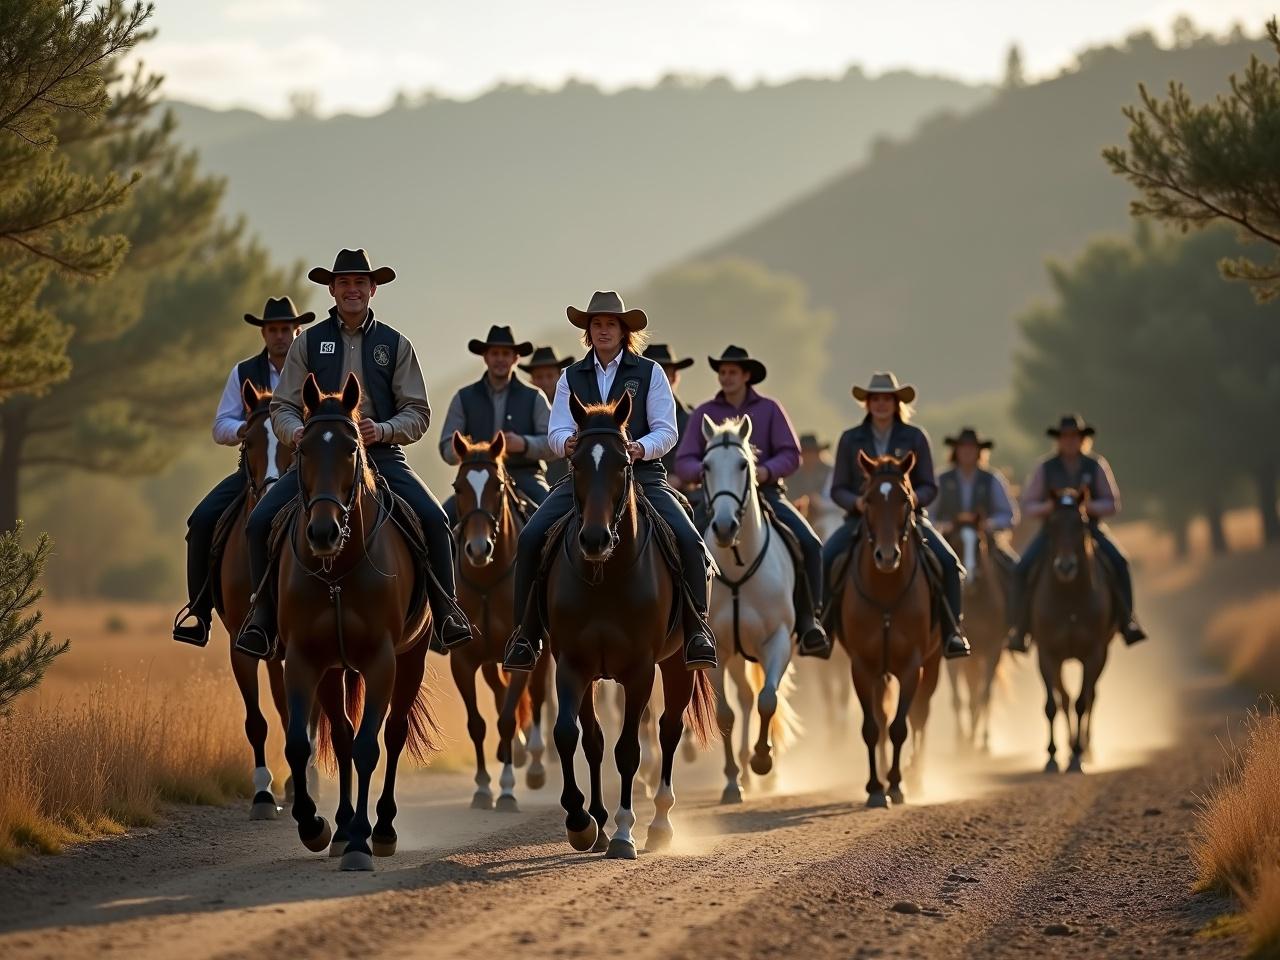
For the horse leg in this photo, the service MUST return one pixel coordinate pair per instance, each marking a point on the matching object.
(724, 718)
(1050, 673)
(908, 684)
(593, 750)
(677, 690)
(918, 717)
(464, 678)
(775, 656)
(580, 825)
(984, 697)
(742, 685)
(499, 684)
(404, 701)
(301, 681)
(647, 780)
(867, 692)
(333, 703)
(245, 670)
(379, 680)
(955, 673)
(508, 710)
(1084, 707)
(626, 754)
(536, 777)
(882, 720)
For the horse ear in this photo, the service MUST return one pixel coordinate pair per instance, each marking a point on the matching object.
(708, 428)
(498, 445)
(908, 463)
(866, 463)
(249, 395)
(459, 446)
(622, 411)
(351, 394)
(576, 408)
(310, 395)
(744, 427)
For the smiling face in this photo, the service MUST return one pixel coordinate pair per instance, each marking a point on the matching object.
(606, 334)
(352, 293)
(883, 408)
(733, 378)
(499, 361)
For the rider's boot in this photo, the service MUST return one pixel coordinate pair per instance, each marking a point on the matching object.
(955, 644)
(258, 637)
(811, 639)
(190, 627)
(700, 642)
(525, 645)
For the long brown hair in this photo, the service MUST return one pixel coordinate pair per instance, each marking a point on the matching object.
(633, 340)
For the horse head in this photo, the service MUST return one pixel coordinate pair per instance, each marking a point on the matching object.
(890, 506)
(265, 459)
(332, 465)
(1068, 531)
(728, 475)
(602, 478)
(479, 489)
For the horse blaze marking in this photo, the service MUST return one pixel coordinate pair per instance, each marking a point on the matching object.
(273, 470)
(597, 454)
(327, 436)
(885, 488)
(477, 479)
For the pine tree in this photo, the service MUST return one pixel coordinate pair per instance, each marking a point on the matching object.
(1014, 74)
(25, 650)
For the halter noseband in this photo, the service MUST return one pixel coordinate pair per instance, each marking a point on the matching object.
(308, 502)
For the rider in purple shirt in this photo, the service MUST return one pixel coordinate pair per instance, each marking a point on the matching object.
(777, 457)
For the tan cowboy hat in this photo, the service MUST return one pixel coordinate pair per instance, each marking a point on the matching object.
(606, 303)
(351, 261)
(885, 382)
(279, 310)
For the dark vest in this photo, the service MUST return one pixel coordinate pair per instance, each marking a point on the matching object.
(477, 408)
(325, 348)
(682, 421)
(1056, 475)
(257, 370)
(948, 504)
(634, 375)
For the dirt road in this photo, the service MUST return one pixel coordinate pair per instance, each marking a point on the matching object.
(993, 860)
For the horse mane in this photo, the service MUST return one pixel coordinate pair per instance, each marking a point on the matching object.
(733, 425)
(331, 405)
(593, 410)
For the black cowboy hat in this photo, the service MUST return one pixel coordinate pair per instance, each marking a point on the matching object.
(545, 357)
(968, 435)
(885, 382)
(351, 261)
(660, 353)
(809, 441)
(501, 337)
(279, 310)
(755, 369)
(606, 303)
(1071, 421)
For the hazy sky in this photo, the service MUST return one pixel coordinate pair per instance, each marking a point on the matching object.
(355, 56)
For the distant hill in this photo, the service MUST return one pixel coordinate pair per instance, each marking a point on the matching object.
(506, 207)
(928, 250)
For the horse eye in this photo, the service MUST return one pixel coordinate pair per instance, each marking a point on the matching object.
(743, 465)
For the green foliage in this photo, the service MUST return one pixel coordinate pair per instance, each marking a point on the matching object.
(25, 650)
(1198, 163)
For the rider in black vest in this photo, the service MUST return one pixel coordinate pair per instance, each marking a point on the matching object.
(280, 323)
(969, 490)
(611, 331)
(660, 353)
(885, 431)
(394, 411)
(475, 409)
(544, 369)
(1072, 467)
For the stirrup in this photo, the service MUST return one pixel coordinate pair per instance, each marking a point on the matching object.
(1132, 632)
(452, 633)
(956, 646)
(700, 652)
(196, 634)
(520, 655)
(255, 642)
(814, 642)
(1016, 641)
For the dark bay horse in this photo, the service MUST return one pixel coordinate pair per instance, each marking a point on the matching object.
(1073, 617)
(489, 524)
(985, 592)
(262, 461)
(886, 619)
(613, 612)
(346, 584)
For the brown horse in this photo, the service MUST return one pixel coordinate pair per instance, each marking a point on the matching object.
(262, 461)
(613, 613)
(489, 524)
(886, 619)
(346, 587)
(1073, 617)
(984, 611)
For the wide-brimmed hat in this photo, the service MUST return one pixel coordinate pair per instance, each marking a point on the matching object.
(884, 381)
(545, 357)
(968, 435)
(1071, 421)
(351, 261)
(279, 310)
(606, 303)
(810, 441)
(501, 337)
(755, 369)
(660, 353)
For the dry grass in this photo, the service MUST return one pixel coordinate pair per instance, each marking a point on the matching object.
(1237, 845)
(1245, 637)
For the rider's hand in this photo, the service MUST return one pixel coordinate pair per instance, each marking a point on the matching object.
(297, 436)
(369, 431)
(515, 442)
(570, 445)
(763, 475)
(860, 504)
(635, 451)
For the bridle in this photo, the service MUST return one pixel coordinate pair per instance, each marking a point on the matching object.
(506, 494)
(628, 484)
(740, 500)
(256, 490)
(346, 507)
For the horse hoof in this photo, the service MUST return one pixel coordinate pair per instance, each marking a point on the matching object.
(383, 846)
(320, 841)
(356, 860)
(1075, 766)
(1051, 766)
(620, 850)
(482, 801)
(337, 848)
(507, 804)
(601, 844)
(895, 795)
(536, 777)
(761, 764)
(878, 801)
(265, 810)
(659, 839)
(732, 794)
(584, 839)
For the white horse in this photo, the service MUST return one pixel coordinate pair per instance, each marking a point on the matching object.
(751, 601)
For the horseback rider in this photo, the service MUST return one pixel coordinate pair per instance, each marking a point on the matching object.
(394, 410)
(502, 401)
(777, 457)
(544, 369)
(886, 430)
(280, 323)
(969, 490)
(1073, 465)
(660, 353)
(812, 478)
(613, 333)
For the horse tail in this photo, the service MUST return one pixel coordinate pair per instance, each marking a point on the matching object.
(353, 704)
(700, 714)
(424, 737)
(354, 696)
(786, 727)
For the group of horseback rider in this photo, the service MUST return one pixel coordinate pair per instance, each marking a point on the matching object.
(540, 433)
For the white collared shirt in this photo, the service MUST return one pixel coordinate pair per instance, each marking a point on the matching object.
(230, 416)
(660, 403)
